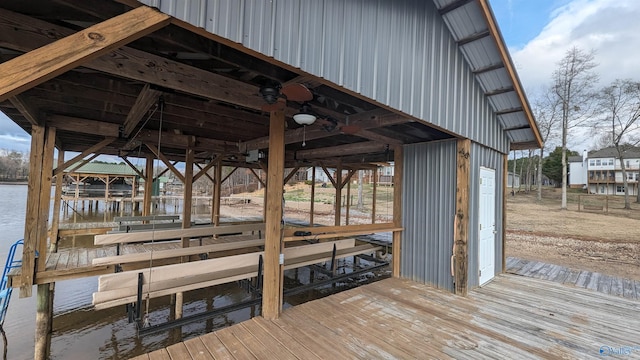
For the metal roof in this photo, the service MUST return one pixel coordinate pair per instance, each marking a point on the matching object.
(105, 169)
(611, 152)
(474, 28)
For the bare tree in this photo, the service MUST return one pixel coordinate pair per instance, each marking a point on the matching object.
(619, 104)
(547, 110)
(573, 84)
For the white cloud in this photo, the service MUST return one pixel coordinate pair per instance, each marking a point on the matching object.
(610, 27)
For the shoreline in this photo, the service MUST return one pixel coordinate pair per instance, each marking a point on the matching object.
(14, 183)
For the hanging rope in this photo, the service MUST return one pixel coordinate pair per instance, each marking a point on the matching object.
(146, 322)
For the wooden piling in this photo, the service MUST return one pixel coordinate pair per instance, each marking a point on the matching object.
(44, 320)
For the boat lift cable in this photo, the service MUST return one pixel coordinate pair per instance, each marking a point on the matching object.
(6, 290)
(146, 322)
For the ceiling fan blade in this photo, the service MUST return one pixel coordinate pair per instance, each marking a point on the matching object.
(350, 129)
(297, 93)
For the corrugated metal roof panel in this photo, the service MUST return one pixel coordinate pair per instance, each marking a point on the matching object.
(513, 120)
(505, 101)
(494, 80)
(105, 169)
(465, 21)
(523, 135)
(481, 53)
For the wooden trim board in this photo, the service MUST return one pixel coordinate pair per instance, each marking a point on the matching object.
(381, 227)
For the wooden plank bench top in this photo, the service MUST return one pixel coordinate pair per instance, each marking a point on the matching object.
(172, 253)
(121, 288)
(121, 219)
(174, 234)
(327, 232)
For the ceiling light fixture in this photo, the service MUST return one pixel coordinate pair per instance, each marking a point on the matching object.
(304, 117)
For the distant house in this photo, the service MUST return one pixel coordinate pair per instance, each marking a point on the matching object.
(578, 171)
(94, 179)
(602, 171)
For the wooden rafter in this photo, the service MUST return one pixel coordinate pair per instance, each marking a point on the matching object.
(95, 148)
(133, 167)
(147, 98)
(166, 161)
(83, 162)
(23, 106)
(47, 62)
(291, 174)
(348, 149)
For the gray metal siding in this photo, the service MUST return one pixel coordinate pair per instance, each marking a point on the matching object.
(399, 53)
(428, 208)
(485, 157)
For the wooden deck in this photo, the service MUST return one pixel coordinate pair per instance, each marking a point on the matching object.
(513, 317)
(603, 283)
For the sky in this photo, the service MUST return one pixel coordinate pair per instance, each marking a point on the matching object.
(537, 33)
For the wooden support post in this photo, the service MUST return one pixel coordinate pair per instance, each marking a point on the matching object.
(461, 231)
(55, 222)
(398, 169)
(374, 194)
(45, 196)
(313, 195)
(44, 320)
(338, 186)
(186, 215)
(346, 220)
(148, 187)
(272, 285)
(505, 172)
(217, 193)
(33, 202)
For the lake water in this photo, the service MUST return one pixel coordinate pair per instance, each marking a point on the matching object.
(79, 332)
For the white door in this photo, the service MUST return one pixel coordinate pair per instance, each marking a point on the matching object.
(487, 212)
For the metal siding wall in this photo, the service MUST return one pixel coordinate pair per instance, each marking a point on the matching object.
(428, 207)
(399, 53)
(482, 156)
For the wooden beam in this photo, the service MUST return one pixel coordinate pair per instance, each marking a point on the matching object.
(84, 126)
(505, 174)
(147, 98)
(374, 195)
(272, 286)
(338, 202)
(57, 200)
(348, 178)
(258, 177)
(313, 195)
(187, 195)
(203, 171)
(461, 231)
(95, 148)
(166, 161)
(45, 196)
(33, 202)
(229, 175)
(217, 192)
(49, 61)
(348, 149)
(398, 170)
(369, 120)
(29, 113)
(329, 176)
(82, 163)
(148, 186)
(133, 167)
(291, 174)
(200, 169)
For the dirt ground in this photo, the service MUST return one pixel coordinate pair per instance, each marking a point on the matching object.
(591, 240)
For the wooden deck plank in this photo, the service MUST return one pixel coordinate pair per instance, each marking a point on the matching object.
(198, 350)
(302, 350)
(161, 354)
(512, 317)
(235, 346)
(216, 347)
(179, 351)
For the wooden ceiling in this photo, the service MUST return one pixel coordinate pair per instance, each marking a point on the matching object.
(177, 88)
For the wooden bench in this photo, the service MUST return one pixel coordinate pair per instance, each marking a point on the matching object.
(593, 207)
(122, 288)
(175, 234)
(329, 232)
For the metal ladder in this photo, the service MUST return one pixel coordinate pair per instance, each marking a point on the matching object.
(5, 291)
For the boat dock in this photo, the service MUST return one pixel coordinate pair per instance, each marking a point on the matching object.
(513, 317)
